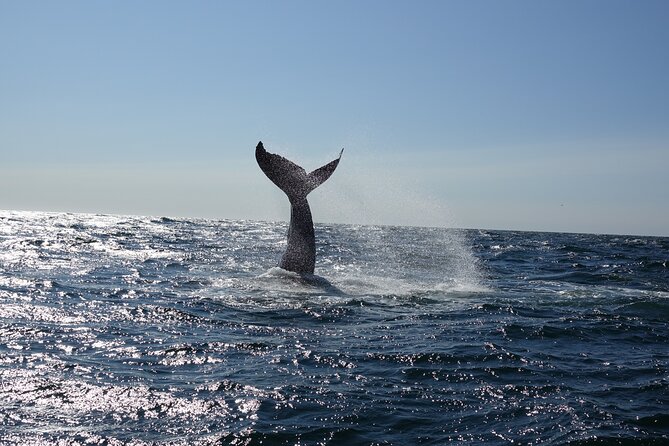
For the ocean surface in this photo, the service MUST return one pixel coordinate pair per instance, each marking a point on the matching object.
(119, 330)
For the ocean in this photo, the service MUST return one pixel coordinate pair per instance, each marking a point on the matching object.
(118, 330)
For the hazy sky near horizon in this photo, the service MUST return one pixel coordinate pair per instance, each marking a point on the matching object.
(531, 115)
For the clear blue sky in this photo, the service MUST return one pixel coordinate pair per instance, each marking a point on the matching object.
(537, 115)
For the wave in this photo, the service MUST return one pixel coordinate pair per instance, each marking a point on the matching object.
(359, 285)
(178, 332)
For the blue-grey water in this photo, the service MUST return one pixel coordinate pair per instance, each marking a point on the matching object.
(153, 331)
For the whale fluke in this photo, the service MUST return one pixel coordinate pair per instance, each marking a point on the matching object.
(300, 255)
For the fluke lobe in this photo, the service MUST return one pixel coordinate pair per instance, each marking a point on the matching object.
(300, 255)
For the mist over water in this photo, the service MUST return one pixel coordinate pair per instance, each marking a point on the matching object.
(142, 330)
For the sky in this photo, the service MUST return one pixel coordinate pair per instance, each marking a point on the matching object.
(524, 115)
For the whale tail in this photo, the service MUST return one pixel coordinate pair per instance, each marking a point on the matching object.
(291, 178)
(300, 255)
